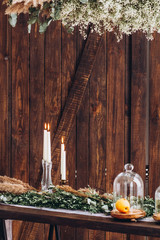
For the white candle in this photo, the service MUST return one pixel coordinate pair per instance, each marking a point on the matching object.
(62, 157)
(64, 167)
(45, 142)
(49, 144)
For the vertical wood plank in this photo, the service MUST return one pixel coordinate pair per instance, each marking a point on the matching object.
(36, 113)
(154, 141)
(128, 67)
(139, 107)
(4, 92)
(115, 144)
(20, 105)
(139, 103)
(83, 153)
(96, 167)
(20, 101)
(154, 118)
(53, 86)
(82, 139)
(127, 123)
(36, 105)
(5, 100)
(68, 72)
(82, 130)
(53, 90)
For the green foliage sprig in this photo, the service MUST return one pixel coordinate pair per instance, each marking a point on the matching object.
(94, 202)
(59, 199)
(149, 206)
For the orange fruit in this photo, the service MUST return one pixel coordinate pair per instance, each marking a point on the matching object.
(123, 205)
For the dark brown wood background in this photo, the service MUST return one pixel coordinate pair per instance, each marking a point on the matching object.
(118, 121)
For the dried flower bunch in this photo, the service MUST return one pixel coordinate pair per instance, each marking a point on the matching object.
(13, 185)
(119, 16)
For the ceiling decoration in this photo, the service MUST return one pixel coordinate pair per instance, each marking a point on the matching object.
(118, 16)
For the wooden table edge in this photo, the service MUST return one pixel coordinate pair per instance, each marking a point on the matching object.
(74, 219)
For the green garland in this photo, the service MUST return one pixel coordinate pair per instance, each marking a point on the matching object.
(61, 199)
(149, 206)
(118, 16)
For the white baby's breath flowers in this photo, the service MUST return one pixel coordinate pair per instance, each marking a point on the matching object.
(119, 16)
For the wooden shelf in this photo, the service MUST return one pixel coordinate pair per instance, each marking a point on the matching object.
(79, 219)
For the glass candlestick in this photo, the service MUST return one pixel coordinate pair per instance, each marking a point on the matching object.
(46, 182)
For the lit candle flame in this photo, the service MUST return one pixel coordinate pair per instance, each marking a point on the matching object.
(48, 127)
(62, 140)
(45, 126)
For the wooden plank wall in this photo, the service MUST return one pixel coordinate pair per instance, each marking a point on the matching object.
(118, 121)
(115, 134)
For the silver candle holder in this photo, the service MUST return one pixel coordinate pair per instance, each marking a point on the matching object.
(63, 182)
(46, 182)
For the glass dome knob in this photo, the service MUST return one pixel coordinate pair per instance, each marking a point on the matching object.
(128, 167)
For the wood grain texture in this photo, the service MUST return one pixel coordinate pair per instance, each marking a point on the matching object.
(154, 117)
(20, 101)
(82, 128)
(31, 231)
(4, 90)
(115, 146)
(52, 92)
(139, 103)
(134, 214)
(82, 141)
(111, 125)
(36, 118)
(154, 143)
(82, 153)
(20, 106)
(97, 131)
(77, 90)
(68, 73)
(79, 219)
(128, 72)
(139, 109)
(127, 129)
(36, 106)
(53, 87)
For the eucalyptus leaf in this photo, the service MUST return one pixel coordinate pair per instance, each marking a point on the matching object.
(43, 26)
(70, 30)
(46, 5)
(13, 19)
(29, 28)
(32, 19)
(52, 14)
(84, 1)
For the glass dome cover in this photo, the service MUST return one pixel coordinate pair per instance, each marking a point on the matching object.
(129, 185)
(157, 200)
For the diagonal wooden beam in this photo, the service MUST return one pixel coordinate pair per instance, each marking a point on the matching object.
(77, 91)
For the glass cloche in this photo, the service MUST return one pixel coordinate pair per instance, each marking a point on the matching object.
(156, 215)
(157, 200)
(129, 186)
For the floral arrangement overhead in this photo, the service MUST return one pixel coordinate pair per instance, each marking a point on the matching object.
(118, 16)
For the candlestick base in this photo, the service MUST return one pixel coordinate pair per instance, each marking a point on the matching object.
(63, 182)
(46, 182)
